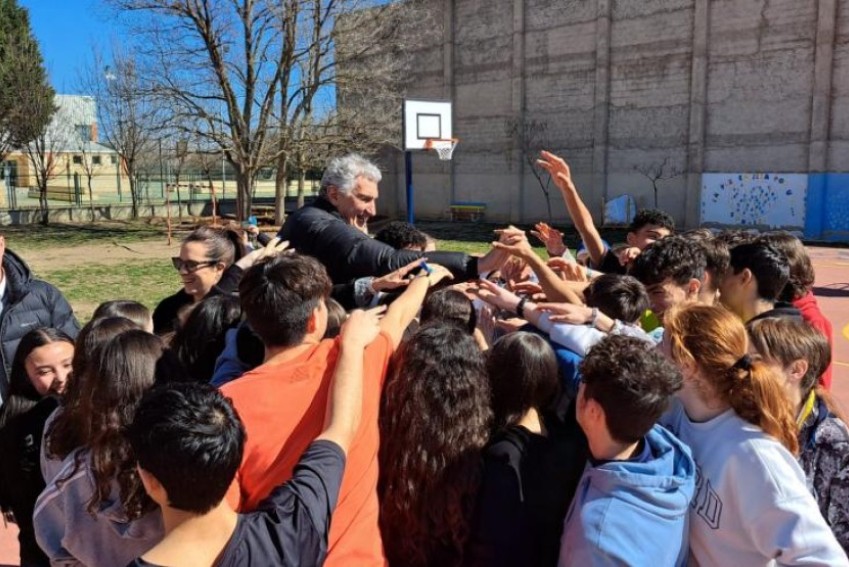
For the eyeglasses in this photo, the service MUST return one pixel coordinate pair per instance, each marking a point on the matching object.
(190, 266)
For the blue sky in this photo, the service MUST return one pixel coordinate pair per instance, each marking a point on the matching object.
(67, 30)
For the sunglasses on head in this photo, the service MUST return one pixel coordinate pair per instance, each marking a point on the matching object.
(190, 266)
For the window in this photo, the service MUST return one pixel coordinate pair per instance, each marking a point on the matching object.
(113, 159)
(95, 160)
(78, 160)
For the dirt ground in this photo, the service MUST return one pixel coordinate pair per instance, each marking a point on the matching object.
(104, 254)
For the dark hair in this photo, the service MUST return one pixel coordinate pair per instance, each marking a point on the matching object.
(674, 257)
(222, 244)
(132, 310)
(654, 217)
(802, 275)
(199, 341)
(279, 295)
(631, 383)
(715, 340)
(450, 306)
(22, 395)
(784, 340)
(716, 252)
(434, 422)
(336, 316)
(249, 347)
(770, 269)
(401, 235)
(91, 337)
(523, 375)
(190, 438)
(734, 237)
(618, 296)
(108, 394)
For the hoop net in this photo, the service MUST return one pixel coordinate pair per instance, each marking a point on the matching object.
(443, 148)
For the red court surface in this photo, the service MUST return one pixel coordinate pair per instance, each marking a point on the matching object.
(832, 290)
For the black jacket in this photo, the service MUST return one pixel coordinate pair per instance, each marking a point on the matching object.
(167, 311)
(318, 230)
(28, 304)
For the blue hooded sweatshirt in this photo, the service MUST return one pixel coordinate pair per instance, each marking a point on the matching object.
(633, 512)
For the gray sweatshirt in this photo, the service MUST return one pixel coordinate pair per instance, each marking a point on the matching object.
(69, 535)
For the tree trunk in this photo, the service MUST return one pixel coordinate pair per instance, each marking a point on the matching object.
(244, 194)
(42, 203)
(281, 187)
(134, 198)
(90, 198)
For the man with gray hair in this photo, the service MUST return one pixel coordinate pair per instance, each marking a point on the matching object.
(334, 229)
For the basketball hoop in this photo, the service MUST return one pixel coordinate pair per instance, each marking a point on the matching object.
(443, 147)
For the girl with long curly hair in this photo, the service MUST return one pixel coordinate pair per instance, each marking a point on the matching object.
(434, 422)
(96, 511)
(752, 506)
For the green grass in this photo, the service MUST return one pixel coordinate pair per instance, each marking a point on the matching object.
(36, 237)
(85, 287)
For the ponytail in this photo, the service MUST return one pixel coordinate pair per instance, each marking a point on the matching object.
(222, 244)
(757, 396)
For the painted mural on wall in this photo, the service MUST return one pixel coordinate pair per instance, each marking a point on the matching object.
(772, 200)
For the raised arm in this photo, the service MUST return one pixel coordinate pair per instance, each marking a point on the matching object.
(345, 402)
(553, 286)
(578, 211)
(404, 309)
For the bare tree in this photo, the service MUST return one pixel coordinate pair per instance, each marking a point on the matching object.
(53, 138)
(533, 138)
(128, 118)
(245, 72)
(656, 172)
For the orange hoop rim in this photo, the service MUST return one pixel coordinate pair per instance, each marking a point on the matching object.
(428, 144)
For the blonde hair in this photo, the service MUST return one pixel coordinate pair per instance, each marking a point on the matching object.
(715, 340)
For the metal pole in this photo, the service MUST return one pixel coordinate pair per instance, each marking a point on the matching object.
(408, 165)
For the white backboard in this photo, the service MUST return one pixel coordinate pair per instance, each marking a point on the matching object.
(425, 119)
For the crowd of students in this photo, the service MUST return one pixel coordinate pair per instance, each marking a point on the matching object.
(373, 401)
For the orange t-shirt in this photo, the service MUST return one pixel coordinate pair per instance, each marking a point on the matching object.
(283, 408)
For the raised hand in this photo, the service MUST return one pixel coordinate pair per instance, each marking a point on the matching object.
(497, 296)
(361, 327)
(567, 313)
(557, 167)
(551, 238)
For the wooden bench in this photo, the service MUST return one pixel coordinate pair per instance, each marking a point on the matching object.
(465, 211)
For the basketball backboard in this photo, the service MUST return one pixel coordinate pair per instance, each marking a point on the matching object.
(425, 119)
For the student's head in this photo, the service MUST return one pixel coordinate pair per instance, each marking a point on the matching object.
(757, 273)
(618, 296)
(625, 387)
(711, 347)
(735, 237)
(402, 236)
(132, 310)
(42, 367)
(188, 441)
(94, 335)
(204, 255)
(336, 316)
(523, 376)
(350, 184)
(717, 256)
(672, 270)
(802, 274)
(450, 306)
(199, 341)
(649, 226)
(434, 421)
(795, 350)
(284, 299)
(43, 364)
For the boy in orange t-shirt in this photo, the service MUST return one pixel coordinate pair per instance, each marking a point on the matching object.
(282, 403)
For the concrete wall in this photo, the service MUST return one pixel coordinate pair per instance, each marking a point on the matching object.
(705, 85)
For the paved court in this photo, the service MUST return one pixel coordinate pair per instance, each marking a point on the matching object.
(832, 290)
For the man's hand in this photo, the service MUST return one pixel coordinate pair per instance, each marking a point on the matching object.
(396, 279)
(551, 238)
(361, 327)
(557, 168)
(567, 313)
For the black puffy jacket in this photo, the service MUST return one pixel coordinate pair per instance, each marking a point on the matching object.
(28, 304)
(318, 230)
